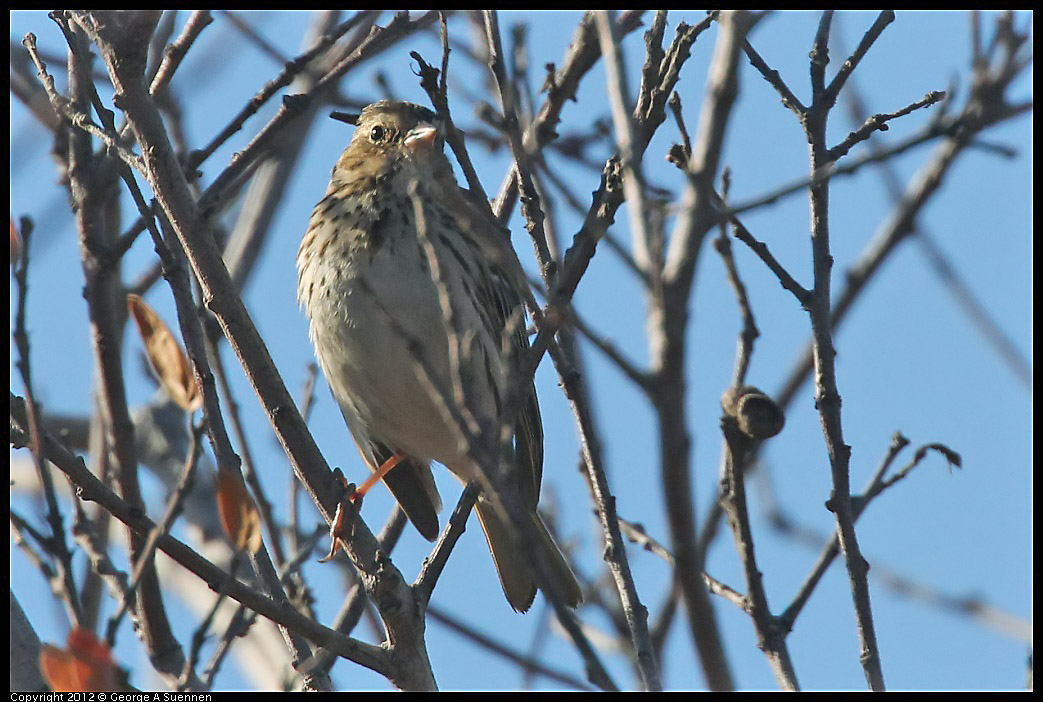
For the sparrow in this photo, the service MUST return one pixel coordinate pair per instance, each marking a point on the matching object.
(377, 319)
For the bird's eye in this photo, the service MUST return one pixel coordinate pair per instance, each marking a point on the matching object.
(376, 134)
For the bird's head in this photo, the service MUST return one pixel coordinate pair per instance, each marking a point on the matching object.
(390, 132)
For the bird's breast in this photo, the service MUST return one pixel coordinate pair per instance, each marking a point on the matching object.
(378, 325)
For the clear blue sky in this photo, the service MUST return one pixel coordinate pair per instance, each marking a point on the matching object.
(909, 358)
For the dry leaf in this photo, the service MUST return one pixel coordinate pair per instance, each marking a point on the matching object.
(238, 511)
(86, 666)
(168, 361)
(16, 244)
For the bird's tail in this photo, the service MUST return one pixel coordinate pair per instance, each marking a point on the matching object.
(516, 576)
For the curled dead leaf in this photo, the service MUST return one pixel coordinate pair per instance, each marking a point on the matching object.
(755, 413)
(165, 355)
(951, 456)
(238, 511)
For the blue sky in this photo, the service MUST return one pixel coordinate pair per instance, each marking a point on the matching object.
(909, 359)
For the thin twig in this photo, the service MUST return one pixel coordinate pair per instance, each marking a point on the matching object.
(435, 563)
(175, 53)
(876, 485)
(771, 637)
(847, 68)
(199, 637)
(626, 143)
(878, 123)
(57, 545)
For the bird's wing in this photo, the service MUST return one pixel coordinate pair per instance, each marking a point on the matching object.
(506, 287)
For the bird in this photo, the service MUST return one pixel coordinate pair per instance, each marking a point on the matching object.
(393, 240)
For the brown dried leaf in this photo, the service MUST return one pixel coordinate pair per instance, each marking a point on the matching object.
(165, 355)
(86, 666)
(16, 244)
(238, 511)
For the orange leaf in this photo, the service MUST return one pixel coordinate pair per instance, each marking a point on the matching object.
(168, 361)
(87, 665)
(61, 670)
(238, 511)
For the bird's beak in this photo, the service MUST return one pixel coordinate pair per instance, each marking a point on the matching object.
(421, 137)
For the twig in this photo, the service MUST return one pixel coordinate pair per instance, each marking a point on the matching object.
(626, 143)
(89, 537)
(879, 122)
(771, 637)
(639, 376)
(636, 533)
(254, 37)
(899, 225)
(848, 67)
(877, 484)
(563, 356)
(716, 587)
(57, 546)
(435, 563)
(175, 53)
(76, 116)
(356, 601)
(789, 100)
(532, 209)
(734, 463)
(560, 86)
(463, 397)
(195, 344)
(609, 239)
(758, 247)
(819, 56)
(952, 127)
(305, 405)
(950, 277)
(435, 89)
(748, 335)
(269, 184)
(199, 637)
(249, 469)
(290, 71)
(20, 527)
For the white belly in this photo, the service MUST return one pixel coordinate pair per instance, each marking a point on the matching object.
(377, 342)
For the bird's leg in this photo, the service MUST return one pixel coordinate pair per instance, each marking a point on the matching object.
(347, 512)
(378, 474)
(351, 502)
